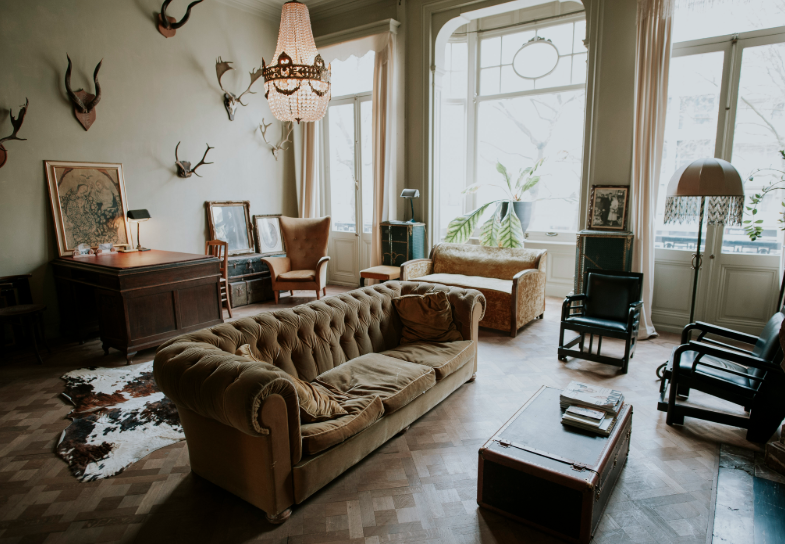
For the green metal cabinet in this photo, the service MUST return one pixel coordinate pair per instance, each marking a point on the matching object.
(605, 250)
(401, 242)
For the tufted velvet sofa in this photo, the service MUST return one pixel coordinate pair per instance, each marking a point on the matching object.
(241, 418)
(512, 280)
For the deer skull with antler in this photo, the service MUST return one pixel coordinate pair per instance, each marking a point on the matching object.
(84, 102)
(17, 124)
(168, 26)
(277, 148)
(184, 169)
(230, 100)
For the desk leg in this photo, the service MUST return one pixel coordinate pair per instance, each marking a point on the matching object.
(129, 356)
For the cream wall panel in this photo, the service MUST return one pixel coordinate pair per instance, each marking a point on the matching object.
(743, 298)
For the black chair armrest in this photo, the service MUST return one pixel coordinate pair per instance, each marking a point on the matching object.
(572, 298)
(733, 356)
(634, 313)
(566, 306)
(719, 331)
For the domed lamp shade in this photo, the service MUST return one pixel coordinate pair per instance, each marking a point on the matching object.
(688, 190)
(297, 83)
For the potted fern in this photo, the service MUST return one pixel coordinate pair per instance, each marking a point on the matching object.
(753, 226)
(506, 226)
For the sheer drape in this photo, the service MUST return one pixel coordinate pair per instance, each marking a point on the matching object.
(653, 53)
(306, 168)
(384, 133)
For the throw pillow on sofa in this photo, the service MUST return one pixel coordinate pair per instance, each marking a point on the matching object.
(426, 318)
(316, 403)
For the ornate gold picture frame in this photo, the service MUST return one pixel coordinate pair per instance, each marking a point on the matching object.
(269, 239)
(230, 221)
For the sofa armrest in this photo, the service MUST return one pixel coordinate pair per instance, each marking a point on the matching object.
(225, 387)
(416, 268)
(321, 271)
(277, 265)
(529, 294)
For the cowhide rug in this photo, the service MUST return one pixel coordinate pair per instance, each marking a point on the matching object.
(120, 417)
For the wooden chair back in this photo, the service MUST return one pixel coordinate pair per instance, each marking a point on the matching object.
(220, 249)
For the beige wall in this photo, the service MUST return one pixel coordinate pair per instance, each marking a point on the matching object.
(156, 92)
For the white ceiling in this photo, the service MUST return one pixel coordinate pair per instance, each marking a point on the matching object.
(267, 8)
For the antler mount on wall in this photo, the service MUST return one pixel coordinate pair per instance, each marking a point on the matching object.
(168, 26)
(277, 148)
(17, 124)
(84, 102)
(184, 169)
(230, 100)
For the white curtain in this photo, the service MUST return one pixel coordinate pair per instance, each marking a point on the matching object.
(384, 135)
(653, 53)
(306, 168)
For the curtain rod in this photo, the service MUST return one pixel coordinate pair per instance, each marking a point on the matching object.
(524, 23)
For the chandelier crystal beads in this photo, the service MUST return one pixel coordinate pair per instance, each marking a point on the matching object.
(297, 84)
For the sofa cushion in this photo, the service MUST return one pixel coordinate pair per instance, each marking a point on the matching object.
(426, 318)
(473, 282)
(297, 275)
(443, 357)
(395, 382)
(316, 403)
(362, 412)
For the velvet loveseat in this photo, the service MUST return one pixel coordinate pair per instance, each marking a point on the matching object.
(242, 420)
(512, 280)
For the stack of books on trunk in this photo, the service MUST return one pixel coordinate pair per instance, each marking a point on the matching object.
(590, 407)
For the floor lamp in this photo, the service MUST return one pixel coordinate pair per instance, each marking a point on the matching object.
(705, 181)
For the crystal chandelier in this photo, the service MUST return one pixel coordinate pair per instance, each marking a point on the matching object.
(297, 84)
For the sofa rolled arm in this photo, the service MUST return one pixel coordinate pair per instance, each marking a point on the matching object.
(225, 387)
(529, 290)
(321, 271)
(277, 265)
(416, 268)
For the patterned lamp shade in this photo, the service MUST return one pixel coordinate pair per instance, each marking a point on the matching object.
(297, 83)
(714, 179)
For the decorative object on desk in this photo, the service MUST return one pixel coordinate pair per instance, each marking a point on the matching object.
(220, 249)
(602, 250)
(297, 83)
(269, 240)
(751, 378)
(231, 101)
(84, 103)
(610, 307)
(401, 242)
(83, 250)
(139, 216)
(411, 194)
(17, 124)
(88, 204)
(504, 228)
(119, 417)
(277, 148)
(168, 26)
(230, 221)
(608, 206)
(184, 169)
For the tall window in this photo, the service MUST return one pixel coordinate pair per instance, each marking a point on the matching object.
(527, 104)
(726, 99)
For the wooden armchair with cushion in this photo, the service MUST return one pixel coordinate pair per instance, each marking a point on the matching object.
(305, 264)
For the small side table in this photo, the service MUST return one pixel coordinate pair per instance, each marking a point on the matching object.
(381, 273)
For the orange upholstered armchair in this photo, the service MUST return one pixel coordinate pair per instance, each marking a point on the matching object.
(305, 264)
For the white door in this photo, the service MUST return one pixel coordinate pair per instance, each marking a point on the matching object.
(349, 187)
(724, 100)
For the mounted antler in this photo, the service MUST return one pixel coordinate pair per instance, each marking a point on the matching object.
(184, 169)
(230, 100)
(17, 124)
(168, 26)
(84, 102)
(276, 149)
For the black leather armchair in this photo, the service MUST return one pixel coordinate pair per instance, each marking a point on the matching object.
(752, 378)
(611, 307)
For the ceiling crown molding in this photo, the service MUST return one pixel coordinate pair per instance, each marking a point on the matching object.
(269, 9)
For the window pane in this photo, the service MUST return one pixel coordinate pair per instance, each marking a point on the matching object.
(452, 163)
(511, 43)
(457, 65)
(560, 36)
(690, 133)
(519, 131)
(490, 52)
(353, 75)
(342, 188)
(489, 81)
(366, 134)
(512, 82)
(559, 77)
(725, 17)
(579, 68)
(757, 140)
(579, 36)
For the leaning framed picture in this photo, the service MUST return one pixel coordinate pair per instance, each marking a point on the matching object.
(608, 207)
(230, 222)
(269, 240)
(88, 204)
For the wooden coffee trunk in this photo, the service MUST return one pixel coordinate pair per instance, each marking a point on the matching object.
(249, 279)
(553, 477)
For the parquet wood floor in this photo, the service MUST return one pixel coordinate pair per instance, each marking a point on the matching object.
(419, 487)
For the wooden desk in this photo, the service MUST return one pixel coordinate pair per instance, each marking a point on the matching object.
(137, 300)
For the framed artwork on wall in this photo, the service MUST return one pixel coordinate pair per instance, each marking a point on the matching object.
(88, 204)
(231, 222)
(608, 207)
(269, 240)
